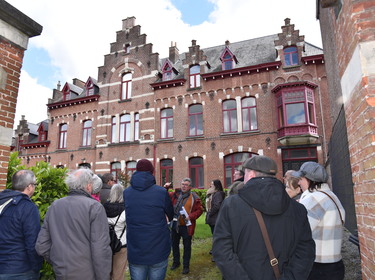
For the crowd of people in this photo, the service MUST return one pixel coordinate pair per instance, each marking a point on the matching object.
(263, 229)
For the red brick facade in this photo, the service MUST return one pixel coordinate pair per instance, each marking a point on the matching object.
(263, 78)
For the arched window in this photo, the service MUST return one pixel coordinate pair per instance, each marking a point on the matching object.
(291, 56)
(196, 172)
(116, 170)
(125, 128)
(229, 116)
(166, 171)
(63, 130)
(196, 120)
(249, 114)
(86, 133)
(195, 77)
(231, 163)
(166, 122)
(126, 86)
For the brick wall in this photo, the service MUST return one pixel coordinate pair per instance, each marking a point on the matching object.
(352, 46)
(15, 31)
(10, 68)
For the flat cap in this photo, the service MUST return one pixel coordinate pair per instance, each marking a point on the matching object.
(261, 164)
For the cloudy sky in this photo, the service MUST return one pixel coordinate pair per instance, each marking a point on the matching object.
(77, 34)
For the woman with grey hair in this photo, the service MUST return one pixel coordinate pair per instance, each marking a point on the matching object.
(115, 209)
(96, 187)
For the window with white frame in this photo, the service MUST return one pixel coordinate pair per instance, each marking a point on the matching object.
(126, 86)
(196, 120)
(166, 123)
(249, 114)
(230, 116)
(195, 78)
(86, 133)
(63, 131)
(125, 128)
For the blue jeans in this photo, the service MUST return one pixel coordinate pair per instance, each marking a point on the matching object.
(148, 272)
(30, 275)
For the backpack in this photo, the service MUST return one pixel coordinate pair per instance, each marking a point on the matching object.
(115, 242)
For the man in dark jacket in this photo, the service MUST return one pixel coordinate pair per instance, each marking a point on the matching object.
(74, 237)
(108, 182)
(147, 207)
(19, 228)
(239, 248)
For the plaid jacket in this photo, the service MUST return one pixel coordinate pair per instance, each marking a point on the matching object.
(325, 222)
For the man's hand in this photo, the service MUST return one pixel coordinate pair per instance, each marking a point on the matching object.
(168, 185)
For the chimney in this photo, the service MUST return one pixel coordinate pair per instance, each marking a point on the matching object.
(128, 23)
(58, 87)
(78, 83)
(227, 43)
(287, 21)
(173, 52)
(193, 42)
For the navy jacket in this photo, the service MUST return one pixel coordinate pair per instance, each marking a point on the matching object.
(238, 247)
(147, 207)
(19, 228)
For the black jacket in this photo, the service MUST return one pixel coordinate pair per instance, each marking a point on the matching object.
(238, 246)
(217, 200)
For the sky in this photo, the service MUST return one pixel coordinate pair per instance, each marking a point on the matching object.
(77, 34)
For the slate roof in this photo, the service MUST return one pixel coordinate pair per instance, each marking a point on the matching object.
(248, 53)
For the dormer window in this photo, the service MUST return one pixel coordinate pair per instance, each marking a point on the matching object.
(291, 56)
(167, 71)
(90, 88)
(66, 93)
(227, 59)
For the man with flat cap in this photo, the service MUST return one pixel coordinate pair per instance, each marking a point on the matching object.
(239, 248)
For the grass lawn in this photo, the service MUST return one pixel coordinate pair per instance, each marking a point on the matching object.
(201, 266)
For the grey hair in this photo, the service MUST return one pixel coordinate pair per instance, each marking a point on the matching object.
(97, 184)
(116, 194)
(21, 179)
(79, 179)
(187, 180)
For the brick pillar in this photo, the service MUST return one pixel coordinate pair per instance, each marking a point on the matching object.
(15, 31)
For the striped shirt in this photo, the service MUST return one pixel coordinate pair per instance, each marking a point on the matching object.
(325, 222)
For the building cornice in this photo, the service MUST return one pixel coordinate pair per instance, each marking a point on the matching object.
(76, 101)
(243, 70)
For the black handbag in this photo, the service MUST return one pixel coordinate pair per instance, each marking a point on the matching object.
(115, 242)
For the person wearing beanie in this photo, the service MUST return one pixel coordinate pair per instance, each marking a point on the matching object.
(326, 216)
(239, 248)
(148, 237)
